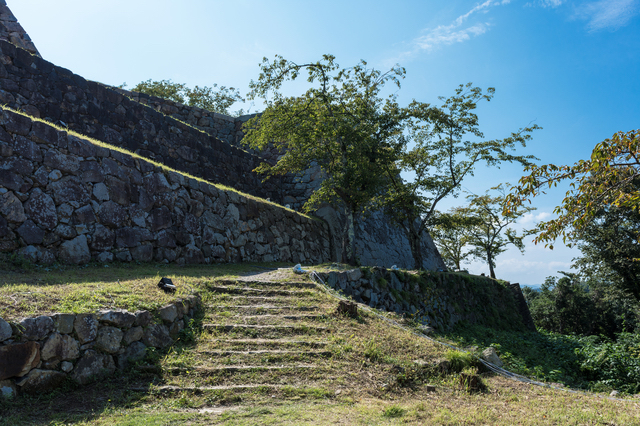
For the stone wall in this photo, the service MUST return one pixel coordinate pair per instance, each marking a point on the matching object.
(442, 300)
(43, 90)
(39, 354)
(65, 198)
(12, 31)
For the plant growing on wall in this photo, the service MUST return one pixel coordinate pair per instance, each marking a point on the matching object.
(216, 99)
(341, 123)
(445, 145)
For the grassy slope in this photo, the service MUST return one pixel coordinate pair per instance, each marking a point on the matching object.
(360, 373)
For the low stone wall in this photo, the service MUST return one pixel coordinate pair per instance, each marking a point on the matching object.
(38, 354)
(439, 299)
(64, 198)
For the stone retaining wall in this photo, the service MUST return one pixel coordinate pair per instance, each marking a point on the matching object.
(64, 198)
(38, 354)
(439, 299)
(12, 31)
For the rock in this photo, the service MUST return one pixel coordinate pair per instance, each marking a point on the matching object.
(134, 353)
(347, 308)
(63, 322)
(159, 219)
(613, 393)
(108, 339)
(100, 192)
(41, 209)
(157, 336)
(66, 366)
(11, 208)
(75, 251)
(112, 215)
(92, 366)
(58, 161)
(60, 347)
(5, 330)
(118, 318)
(133, 335)
(490, 355)
(86, 327)
(354, 274)
(41, 381)
(168, 313)
(105, 257)
(176, 328)
(30, 232)
(35, 328)
(143, 318)
(8, 389)
(102, 239)
(18, 359)
(84, 215)
(426, 330)
(71, 190)
(143, 253)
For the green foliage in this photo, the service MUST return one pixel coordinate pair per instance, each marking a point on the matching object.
(460, 361)
(606, 179)
(210, 98)
(451, 235)
(394, 411)
(439, 156)
(341, 123)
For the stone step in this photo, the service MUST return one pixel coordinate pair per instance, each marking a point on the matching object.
(223, 353)
(263, 319)
(250, 344)
(259, 291)
(265, 308)
(282, 300)
(291, 284)
(237, 327)
(170, 388)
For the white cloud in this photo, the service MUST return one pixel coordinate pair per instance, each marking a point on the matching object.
(608, 14)
(546, 3)
(457, 32)
(534, 218)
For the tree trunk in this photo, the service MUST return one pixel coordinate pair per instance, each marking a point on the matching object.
(416, 247)
(490, 262)
(349, 241)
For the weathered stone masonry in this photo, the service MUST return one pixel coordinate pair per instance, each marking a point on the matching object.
(38, 354)
(64, 198)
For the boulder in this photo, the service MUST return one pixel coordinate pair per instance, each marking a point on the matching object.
(63, 322)
(35, 328)
(18, 359)
(41, 209)
(86, 327)
(143, 318)
(168, 313)
(8, 389)
(75, 251)
(118, 318)
(5, 330)
(132, 335)
(490, 355)
(108, 339)
(11, 208)
(157, 336)
(30, 232)
(92, 366)
(41, 381)
(134, 353)
(60, 347)
(70, 189)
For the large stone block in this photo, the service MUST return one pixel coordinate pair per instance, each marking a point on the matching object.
(86, 327)
(35, 328)
(18, 359)
(109, 339)
(157, 336)
(117, 318)
(60, 347)
(11, 208)
(75, 251)
(41, 209)
(41, 381)
(92, 366)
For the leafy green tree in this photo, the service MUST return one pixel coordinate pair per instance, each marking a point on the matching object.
(451, 236)
(341, 123)
(210, 98)
(606, 179)
(492, 233)
(443, 147)
(610, 244)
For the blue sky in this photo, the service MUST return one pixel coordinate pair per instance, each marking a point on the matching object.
(571, 67)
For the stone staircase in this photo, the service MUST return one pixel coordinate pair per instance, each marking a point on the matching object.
(258, 340)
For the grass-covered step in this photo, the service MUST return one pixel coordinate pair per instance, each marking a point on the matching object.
(250, 375)
(268, 309)
(267, 284)
(221, 300)
(261, 357)
(252, 291)
(267, 319)
(262, 344)
(265, 331)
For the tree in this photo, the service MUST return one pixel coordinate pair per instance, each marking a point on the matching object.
(210, 98)
(606, 179)
(610, 245)
(451, 236)
(341, 123)
(438, 156)
(492, 234)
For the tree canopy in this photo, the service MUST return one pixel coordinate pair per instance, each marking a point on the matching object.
(606, 179)
(443, 147)
(216, 99)
(342, 123)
